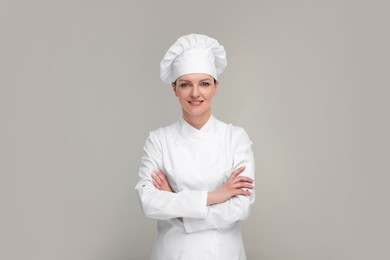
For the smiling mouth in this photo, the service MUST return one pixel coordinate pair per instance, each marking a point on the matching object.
(195, 102)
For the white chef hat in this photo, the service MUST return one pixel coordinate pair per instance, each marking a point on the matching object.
(193, 53)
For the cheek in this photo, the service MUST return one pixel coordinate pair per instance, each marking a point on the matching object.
(211, 94)
(181, 96)
(184, 93)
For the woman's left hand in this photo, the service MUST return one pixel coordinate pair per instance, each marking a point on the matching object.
(160, 181)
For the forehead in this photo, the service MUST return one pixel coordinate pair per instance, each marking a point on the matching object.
(195, 77)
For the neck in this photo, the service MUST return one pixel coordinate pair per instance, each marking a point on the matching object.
(197, 121)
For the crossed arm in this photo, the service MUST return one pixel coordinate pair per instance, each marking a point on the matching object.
(235, 185)
(199, 210)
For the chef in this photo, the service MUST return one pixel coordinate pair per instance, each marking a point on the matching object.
(197, 174)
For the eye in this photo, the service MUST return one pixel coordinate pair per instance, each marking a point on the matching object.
(205, 84)
(184, 85)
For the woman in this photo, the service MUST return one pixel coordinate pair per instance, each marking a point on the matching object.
(196, 175)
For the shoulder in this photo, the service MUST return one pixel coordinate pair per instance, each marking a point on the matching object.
(237, 134)
(157, 138)
(236, 131)
(165, 131)
(240, 137)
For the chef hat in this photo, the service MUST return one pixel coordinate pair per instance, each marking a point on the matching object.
(193, 53)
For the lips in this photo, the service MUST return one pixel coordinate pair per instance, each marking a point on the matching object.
(195, 102)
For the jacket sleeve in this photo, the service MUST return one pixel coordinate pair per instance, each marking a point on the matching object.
(238, 207)
(158, 204)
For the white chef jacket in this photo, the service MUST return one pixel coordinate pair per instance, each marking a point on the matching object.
(196, 162)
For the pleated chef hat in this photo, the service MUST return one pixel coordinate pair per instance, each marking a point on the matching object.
(193, 53)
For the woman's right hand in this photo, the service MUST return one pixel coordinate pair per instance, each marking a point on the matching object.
(235, 185)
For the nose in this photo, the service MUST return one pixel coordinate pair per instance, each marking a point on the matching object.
(195, 91)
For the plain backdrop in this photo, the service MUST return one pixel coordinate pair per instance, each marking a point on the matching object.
(80, 91)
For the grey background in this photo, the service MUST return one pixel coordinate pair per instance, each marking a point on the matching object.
(80, 90)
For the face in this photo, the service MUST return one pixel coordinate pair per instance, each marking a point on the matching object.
(195, 93)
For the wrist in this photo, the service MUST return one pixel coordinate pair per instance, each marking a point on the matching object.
(210, 198)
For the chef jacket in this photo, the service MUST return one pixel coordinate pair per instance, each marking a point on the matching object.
(196, 162)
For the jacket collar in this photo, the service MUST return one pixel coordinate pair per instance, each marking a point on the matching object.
(188, 130)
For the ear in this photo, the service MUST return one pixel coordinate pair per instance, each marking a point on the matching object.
(174, 88)
(216, 86)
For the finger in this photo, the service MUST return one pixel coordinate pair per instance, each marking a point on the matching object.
(244, 192)
(161, 176)
(242, 185)
(243, 179)
(164, 180)
(156, 185)
(237, 172)
(157, 179)
(159, 173)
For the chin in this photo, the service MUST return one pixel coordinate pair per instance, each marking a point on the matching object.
(196, 113)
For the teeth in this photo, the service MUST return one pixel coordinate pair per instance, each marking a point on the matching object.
(195, 102)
